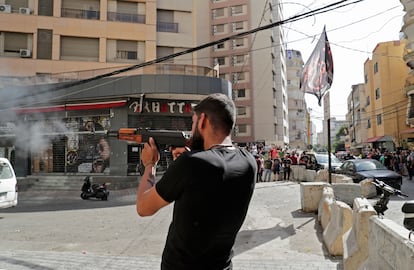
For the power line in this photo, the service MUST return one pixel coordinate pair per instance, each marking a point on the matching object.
(324, 9)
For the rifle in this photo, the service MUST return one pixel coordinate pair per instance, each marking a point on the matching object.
(162, 137)
(167, 138)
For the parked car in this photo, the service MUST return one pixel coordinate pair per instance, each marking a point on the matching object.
(360, 169)
(8, 184)
(320, 161)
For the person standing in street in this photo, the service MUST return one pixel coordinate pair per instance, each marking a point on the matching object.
(211, 187)
(268, 163)
(286, 162)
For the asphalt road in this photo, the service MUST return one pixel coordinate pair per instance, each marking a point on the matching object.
(47, 227)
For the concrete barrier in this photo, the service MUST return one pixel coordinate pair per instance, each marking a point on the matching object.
(322, 176)
(298, 172)
(324, 209)
(340, 178)
(340, 223)
(347, 192)
(356, 239)
(310, 175)
(310, 195)
(368, 190)
(389, 246)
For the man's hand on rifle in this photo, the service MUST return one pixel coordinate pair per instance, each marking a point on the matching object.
(150, 155)
(177, 151)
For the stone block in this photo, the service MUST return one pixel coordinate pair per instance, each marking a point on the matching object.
(310, 175)
(389, 246)
(356, 239)
(368, 190)
(311, 194)
(340, 223)
(322, 176)
(347, 192)
(324, 210)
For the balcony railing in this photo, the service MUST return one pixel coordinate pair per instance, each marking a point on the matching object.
(125, 17)
(167, 27)
(80, 13)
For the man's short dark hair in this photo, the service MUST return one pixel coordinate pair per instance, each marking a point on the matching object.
(220, 110)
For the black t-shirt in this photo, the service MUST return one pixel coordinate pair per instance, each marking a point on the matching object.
(212, 190)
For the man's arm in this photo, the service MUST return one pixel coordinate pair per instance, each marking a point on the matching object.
(148, 200)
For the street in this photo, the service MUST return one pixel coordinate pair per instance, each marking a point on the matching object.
(43, 228)
(48, 227)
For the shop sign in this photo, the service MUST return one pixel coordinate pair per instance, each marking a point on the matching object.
(162, 106)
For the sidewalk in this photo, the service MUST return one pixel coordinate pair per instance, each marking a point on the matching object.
(275, 235)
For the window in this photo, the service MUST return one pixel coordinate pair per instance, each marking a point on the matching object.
(379, 119)
(126, 50)
(218, 28)
(375, 67)
(45, 8)
(13, 42)
(242, 128)
(238, 26)
(220, 60)
(165, 51)
(235, 10)
(87, 9)
(238, 42)
(369, 123)
(241, 111)
(377, 93)
(77, 48)
(238, 59)
(165, 21)
(241, 93)
(220, 45)
(365, 78)
(44, 43)
(368, 101)
(218, 12)
(239, 76)
(127, 12)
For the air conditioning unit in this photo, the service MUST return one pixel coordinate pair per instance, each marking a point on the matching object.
(24, 10)
(5, 9)
(25, 53)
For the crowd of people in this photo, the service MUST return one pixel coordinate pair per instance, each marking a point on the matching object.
(400, 161)
(274, 162)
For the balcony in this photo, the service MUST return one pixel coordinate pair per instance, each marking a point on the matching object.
(125, 17)
(80, 13)
(167, 27)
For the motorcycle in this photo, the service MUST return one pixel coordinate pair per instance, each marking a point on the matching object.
(407, 208)
(98, 191)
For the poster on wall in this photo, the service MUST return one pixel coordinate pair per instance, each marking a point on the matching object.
(88, 150)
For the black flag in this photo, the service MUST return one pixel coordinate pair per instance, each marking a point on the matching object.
(317, 73)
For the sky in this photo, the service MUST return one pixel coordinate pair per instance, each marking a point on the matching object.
(353, 32)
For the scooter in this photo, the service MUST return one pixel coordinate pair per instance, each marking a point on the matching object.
(98, 191)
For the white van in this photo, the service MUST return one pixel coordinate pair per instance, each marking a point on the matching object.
(8, 184)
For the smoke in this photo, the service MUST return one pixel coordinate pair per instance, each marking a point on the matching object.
(29, 132)
(36, 137)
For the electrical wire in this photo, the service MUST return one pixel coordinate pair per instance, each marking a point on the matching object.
(324, 9)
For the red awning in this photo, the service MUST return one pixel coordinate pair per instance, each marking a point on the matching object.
(406, 131)
(72, 107)
(373, 139)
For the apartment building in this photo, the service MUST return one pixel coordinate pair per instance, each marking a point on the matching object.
(298, 127)
(72, 70)
(386, 98)
(255, 64)
(355, 119)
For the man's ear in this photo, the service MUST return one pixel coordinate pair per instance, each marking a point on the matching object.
(202, 119)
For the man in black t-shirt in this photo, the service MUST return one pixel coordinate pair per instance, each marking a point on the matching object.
(211, 187)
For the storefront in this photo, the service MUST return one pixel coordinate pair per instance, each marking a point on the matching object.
(71, 138)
